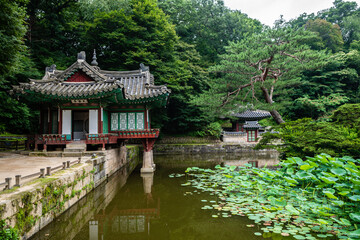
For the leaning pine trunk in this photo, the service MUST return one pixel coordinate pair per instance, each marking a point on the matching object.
(275, 114)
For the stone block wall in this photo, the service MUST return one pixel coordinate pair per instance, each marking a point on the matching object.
(33, 206)
(201, 148)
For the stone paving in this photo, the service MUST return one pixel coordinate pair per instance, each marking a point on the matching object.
(12, 164)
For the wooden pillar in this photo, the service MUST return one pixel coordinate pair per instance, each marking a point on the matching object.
(59, 121)
(148, 160)
(41, 121)
(100, 120)
(237, 126)
(146, 121)
(49, 120)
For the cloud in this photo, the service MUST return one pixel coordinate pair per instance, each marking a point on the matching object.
(267, 11)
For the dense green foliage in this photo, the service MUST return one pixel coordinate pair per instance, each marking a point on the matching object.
(180, 40)
(314, 198)
(254, 68)
(7, 233)
(306, 137)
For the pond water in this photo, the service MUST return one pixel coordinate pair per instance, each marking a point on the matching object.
(154, 206)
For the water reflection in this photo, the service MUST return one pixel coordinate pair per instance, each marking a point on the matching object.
(132, 211)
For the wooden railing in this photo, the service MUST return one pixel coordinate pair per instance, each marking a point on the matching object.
(20, 180)
(52, 138)
(97, 138)
(12, 142)
(146, 133)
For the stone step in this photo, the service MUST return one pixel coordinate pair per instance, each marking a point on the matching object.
(76, 146)
(74, 149)
(71, 154)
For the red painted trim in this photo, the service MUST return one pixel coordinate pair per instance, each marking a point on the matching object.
(148, 144)
(79, 76)
(145, 120)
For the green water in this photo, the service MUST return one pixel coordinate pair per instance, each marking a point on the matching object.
(152, 206)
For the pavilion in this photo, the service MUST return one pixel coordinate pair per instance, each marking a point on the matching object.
(88, 105)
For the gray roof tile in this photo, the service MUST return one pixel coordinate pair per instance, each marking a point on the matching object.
(135, 85)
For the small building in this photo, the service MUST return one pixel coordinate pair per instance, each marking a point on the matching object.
(245, 127)
(85, 104)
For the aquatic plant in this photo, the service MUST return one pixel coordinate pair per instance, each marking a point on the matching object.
(318, 197)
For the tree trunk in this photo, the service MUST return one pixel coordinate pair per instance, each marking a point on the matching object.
(275, 114)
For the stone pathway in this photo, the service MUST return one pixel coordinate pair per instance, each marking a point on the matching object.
(12, 164)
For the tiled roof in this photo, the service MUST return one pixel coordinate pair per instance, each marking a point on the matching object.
(252, 115)
(138, 84)
(251, 125)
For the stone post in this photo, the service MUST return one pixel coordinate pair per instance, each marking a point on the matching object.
(148, 164)
(64, 165)
(8, 182)
(18, 180)
(67, 164)
(48, 171)
(42, 172)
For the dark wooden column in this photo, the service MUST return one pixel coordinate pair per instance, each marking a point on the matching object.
(60, 120)
(100, 121)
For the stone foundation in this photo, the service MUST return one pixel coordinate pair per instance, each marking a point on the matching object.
(202, 148)
(33, 206)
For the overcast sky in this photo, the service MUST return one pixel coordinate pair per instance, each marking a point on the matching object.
(267, 11)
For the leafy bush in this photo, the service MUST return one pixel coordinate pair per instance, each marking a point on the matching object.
(305, 137)
(213, 129)
(7, 233)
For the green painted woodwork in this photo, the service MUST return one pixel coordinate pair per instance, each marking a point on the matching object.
(105, 122)
(251, 135)
(127, 121)
(78, 107)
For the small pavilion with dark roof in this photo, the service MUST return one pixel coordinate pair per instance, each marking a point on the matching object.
(246, 123)
(88, 105)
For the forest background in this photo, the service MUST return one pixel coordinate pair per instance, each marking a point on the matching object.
(204, 52)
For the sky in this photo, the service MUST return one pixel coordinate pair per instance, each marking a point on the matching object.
(267, 11)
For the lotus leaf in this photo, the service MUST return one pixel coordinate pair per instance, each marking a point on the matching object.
(355, 216)
(355, 198)
(306, 167)
(329, 194)
(328, 180)
(338, 171)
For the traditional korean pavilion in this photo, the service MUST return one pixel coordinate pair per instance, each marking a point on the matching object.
(87, 104)
(247, 122)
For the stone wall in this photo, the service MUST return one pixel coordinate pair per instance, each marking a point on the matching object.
(33, 206)
(202, 148)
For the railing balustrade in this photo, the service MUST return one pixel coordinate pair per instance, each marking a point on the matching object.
(20, 180)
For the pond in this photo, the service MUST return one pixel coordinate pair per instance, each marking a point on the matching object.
(155, 206)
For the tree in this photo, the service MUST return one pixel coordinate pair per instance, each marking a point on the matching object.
(50, 36)
(259, 64)
(330, 34)
(338, 12)
(15, 64)
(12, 31)
(208, 24)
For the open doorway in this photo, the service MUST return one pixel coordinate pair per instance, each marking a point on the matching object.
(80, 124)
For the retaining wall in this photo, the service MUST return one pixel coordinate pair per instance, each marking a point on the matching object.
(33, 206)
(202, 148)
